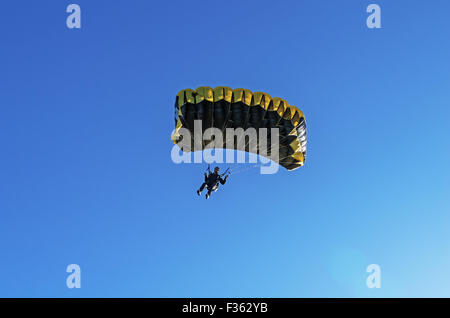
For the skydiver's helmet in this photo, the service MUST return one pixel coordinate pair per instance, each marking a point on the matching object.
(216, 169)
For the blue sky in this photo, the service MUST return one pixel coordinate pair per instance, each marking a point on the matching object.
(87, 177)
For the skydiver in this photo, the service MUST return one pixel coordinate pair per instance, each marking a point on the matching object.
(211, 183)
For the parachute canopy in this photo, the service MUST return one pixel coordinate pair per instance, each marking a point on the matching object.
(223, 107)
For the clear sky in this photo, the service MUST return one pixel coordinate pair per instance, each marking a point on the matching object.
(87, 177)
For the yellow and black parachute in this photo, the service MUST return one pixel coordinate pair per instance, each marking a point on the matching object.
(223, 107)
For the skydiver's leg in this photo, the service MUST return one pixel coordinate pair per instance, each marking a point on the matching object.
(202, 187)
(199, 191)
(208, 194)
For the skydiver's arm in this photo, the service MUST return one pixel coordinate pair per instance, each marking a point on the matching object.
(223, 181)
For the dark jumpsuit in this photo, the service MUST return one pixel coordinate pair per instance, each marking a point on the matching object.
(212, 182)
